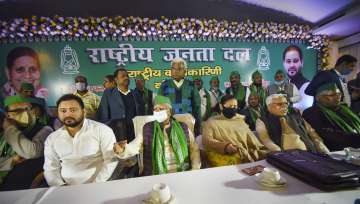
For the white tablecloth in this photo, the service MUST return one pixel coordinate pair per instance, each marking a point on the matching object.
(215, 185)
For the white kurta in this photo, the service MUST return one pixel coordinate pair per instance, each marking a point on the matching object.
(87, 157)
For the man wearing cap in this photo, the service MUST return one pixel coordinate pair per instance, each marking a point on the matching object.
(38, 104)
(257, 87)
(167, 145)
(215, 93)
(183, 95)
(338, 126)
(344, 66)
(146, 94)
(228, 139)
(237, 90)
(90, 99)
(21, 144)
(281, 129)
(205, 105)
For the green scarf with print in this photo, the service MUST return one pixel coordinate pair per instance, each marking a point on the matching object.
(177, 140)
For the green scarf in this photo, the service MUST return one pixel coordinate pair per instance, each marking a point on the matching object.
(350, 125)
(254, 114)
(178, 143)
(239, 93)
(260, 91)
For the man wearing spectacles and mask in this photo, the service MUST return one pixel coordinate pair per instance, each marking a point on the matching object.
(21, 144)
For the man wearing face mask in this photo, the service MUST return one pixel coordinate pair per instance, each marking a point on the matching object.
(280, 129)
(337, 124)
(228, 139)
(344, 66)
(167, 145)
(21, 144)
(282, 86)
(90, 99)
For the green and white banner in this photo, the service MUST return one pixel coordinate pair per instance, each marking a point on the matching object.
(61, 61)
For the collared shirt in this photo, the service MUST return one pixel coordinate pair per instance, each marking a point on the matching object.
(178, 83)
(91, 102)
(124, 92)
(87, 157)
(347, 98)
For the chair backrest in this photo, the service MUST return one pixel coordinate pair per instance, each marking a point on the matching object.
(140, 121)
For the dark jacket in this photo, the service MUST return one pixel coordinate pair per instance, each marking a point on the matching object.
(112, 105)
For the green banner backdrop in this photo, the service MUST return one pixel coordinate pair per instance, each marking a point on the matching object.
(61, 61)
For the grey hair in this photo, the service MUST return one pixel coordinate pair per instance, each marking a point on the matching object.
(179, 60)
(324, 92)
(273, 96)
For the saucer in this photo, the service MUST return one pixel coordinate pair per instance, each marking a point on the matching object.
(149, 200)
(279, 184)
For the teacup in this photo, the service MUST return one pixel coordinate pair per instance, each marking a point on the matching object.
(270, 175)
(161, 192)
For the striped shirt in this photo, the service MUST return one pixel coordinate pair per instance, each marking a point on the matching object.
(169, 154)
(91, 102)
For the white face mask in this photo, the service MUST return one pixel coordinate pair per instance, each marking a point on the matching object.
(160, 116)
(279, 82)
(80, 86)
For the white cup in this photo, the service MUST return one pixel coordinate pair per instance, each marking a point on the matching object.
(162, 192)
(271, 175)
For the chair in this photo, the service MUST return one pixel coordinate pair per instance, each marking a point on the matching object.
(140, 121)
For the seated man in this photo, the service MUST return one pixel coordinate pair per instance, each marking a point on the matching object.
(167, 145)
(228, 139)
(253, 111)
(338, 126)
(280, 129)
(21, 144)
(81, 150)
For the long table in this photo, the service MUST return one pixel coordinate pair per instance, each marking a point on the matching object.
(213, 185)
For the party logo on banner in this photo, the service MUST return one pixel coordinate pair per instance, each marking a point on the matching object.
(263, 59)
(69, 61)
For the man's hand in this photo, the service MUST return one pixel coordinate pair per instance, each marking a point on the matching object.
(231, 149)
(119, 147)
(16, 159)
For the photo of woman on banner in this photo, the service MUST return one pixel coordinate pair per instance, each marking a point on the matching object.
(293, 63)
(22, 66)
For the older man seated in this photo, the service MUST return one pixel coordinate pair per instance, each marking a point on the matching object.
(21, 144)
(281, 128)
(338, 126)
(228, 139)
(167, 145)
